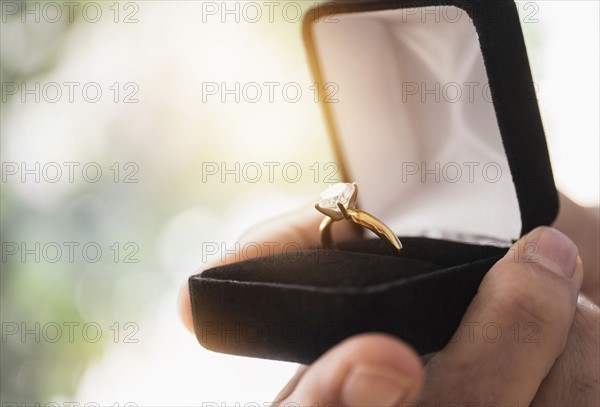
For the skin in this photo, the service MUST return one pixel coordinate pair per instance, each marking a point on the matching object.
(547, 312)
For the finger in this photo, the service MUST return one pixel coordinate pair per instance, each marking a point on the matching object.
(365, 370)
(575, 377)
(582, 225)
(298, 230)
(515, 328)
(291, 384)
(299, 227)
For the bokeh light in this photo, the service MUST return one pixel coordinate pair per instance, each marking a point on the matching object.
(150, 210)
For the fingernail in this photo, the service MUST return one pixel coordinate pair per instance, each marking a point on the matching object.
(371, 385)
(552, 250)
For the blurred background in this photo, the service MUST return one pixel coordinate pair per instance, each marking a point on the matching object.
(113, 143)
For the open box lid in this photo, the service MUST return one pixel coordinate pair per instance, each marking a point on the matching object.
(367, 50)
(435, 91)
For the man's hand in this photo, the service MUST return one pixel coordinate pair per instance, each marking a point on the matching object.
(525, 338)
(528, 336)
(582, 225)
(300, 229)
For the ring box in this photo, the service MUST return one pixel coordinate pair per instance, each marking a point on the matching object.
(379, 55)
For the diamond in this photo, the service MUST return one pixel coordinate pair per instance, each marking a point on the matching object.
(337, 193)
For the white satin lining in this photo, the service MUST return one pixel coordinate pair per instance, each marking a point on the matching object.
(372, 57)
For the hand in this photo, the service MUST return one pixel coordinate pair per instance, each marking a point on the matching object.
(525, 338)
(547, 351)
(582, 225)
(299, 228)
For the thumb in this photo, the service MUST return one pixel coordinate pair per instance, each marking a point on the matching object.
(528, 300)
(365, 370)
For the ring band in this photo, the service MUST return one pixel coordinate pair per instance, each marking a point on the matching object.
(338, 202)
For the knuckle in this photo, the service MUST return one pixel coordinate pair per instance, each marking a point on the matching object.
(580, 362)
(525, 300)
(585, 331)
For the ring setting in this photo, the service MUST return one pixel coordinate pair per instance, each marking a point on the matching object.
(338, 202)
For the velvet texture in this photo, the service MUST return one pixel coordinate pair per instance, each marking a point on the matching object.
(295, 307)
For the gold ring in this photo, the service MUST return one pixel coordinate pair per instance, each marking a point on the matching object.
(338, 202)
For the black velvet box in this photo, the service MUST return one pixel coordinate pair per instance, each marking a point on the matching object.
(296, 309)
